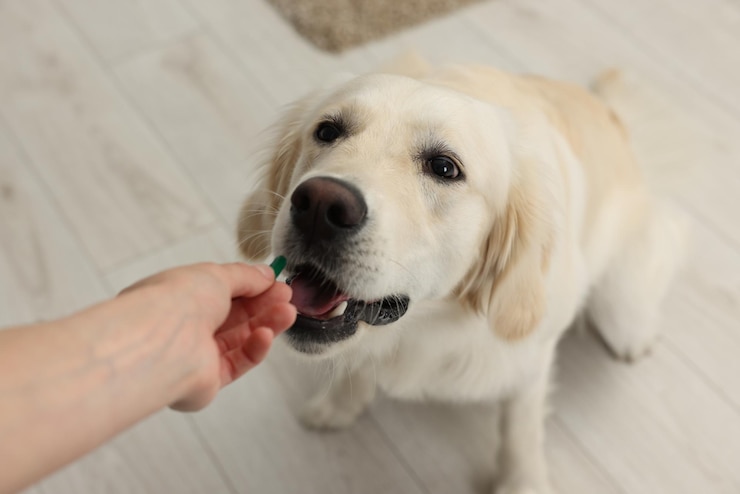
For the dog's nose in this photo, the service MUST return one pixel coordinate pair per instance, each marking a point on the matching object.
(325, 207)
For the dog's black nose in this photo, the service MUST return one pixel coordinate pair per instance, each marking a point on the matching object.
(324, 208)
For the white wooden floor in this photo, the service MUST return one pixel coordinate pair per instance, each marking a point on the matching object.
(127, 138)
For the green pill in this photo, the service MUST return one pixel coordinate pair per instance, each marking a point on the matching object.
(278, 265)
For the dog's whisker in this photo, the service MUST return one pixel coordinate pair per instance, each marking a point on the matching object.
(407, 270)
(265, 250)
(349, 375)
(332, 372)
(249, 241)
(253, 235)
(252, 213)
(278, 195)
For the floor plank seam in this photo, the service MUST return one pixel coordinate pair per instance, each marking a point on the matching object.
(586, 454)
(109, 74)
(46, 187)
(498, 48)
(210, 32)
(397, 454)
(152, 49)
(159, 249)
(670, 68)
(701, 375)
(708, 221)
(212, 457)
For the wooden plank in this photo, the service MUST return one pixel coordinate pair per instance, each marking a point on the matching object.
(572, 468)
(115, 183)
(161, 454)
(214, 244)
(702, 314)
(282, 63)
(654, 426)
(451, 448)
(211, 115)
(119, 29)
(44, 272)
(697, 40)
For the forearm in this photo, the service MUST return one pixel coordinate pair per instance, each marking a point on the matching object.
(121, 363)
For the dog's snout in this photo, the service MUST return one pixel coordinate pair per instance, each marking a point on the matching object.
(324, 207)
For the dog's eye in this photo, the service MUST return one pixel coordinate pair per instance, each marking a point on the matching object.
(444, 167)
(328, 132)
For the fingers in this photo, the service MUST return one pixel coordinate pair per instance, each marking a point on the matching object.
(243, 358)
(241, 280)
(279, 293)
(243, 308)
(277, 318)
(247, 280)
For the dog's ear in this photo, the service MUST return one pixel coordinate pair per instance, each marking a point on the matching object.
(507, 283)
(257, 215)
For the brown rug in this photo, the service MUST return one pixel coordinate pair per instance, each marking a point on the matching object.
(336, 25)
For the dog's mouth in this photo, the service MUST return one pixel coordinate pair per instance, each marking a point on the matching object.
(327, 315)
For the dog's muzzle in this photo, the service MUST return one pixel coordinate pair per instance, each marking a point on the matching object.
(327, 215)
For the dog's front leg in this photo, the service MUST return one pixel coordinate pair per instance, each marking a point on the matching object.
(522, 467)
(349, 393)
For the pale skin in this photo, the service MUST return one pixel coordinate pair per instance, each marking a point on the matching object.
(173, 339)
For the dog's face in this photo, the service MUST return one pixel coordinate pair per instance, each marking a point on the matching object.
(383, 192)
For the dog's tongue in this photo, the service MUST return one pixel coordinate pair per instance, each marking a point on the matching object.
(313, 298)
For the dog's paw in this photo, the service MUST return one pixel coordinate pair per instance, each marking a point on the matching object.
(327, 415)
(630, 351)
(625, 345)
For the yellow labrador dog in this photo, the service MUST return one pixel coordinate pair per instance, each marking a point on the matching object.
(443, 228)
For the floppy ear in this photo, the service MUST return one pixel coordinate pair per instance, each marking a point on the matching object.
(257, 216)
(507, 283)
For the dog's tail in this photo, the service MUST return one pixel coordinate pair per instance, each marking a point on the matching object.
(408, 63)
(664, 139)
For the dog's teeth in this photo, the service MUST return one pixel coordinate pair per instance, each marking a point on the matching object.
(338, 310)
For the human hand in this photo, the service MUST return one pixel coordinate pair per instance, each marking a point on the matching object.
(226, 317)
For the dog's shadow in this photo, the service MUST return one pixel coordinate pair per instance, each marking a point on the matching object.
(443, 445)
(452, 447)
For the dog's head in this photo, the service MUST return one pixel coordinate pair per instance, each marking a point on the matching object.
(385, 191)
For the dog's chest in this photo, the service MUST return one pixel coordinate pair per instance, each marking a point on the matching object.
(447, 353)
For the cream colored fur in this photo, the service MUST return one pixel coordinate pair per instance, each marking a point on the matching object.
(553, 217)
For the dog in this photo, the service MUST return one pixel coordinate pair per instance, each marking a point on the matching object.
(444, 226)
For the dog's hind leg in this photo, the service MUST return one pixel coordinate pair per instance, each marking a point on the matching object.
(624, 305)
(350, 392)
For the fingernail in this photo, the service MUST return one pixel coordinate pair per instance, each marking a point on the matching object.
(266, 271)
